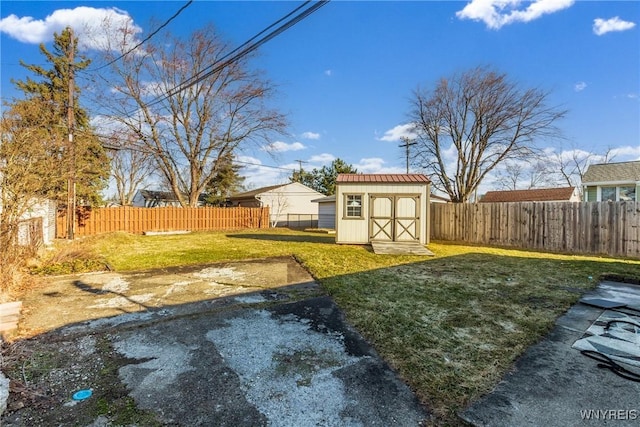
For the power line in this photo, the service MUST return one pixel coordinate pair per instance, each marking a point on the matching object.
(117, 147)
(157, 30)
(224, 57)
(265, 166)
(241, 52)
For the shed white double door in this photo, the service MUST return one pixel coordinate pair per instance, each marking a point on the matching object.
(394, 218)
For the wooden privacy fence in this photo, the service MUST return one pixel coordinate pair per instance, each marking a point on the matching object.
(91, 221)
(580, 228)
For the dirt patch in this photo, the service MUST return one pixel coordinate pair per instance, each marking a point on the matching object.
(46, 372)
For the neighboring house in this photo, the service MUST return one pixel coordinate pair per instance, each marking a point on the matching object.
(562, 194)
(382, 207)
(326, 212)
(155, 199)
(42, 215)
(612, 181)
(37, 225)
(289, 204)
(434, 198)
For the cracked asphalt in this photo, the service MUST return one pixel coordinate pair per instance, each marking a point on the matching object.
(233, 344)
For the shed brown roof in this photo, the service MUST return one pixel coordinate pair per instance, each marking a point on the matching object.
(533, 195)
(385, 178)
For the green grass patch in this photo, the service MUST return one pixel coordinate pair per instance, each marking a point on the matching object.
(451, 324)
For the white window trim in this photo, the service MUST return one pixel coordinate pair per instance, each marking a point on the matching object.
(617, 190)
(345, 211)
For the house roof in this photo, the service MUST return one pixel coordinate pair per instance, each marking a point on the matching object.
(253, 193)
(533, 195)
(385, 178)
(612, 172)
(327, 199)
(442, 198)
(158, 195)
(165, 196)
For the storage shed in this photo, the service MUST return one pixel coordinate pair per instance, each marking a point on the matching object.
(382, 207)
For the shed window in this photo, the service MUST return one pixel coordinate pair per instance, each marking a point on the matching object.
(353, 205)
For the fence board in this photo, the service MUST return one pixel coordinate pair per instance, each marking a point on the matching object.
(91, 221)
(581, 228)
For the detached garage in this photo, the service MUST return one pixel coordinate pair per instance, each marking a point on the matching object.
(326, 212)
(382, 207)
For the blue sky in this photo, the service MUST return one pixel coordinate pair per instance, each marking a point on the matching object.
(346, 73)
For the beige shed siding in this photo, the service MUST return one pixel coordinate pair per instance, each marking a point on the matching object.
(356, 230)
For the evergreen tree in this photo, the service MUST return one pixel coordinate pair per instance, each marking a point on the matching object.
(323, 180)
(304, 177)
(226, 182)
(50, 88)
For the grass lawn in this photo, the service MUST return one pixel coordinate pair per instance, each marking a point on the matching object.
(451, 325)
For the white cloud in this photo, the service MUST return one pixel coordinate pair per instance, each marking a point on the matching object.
(623, 153)
(259, 175)
(281, 147)
(399, 131)
(604, 26)
(626, 153)
(498, 13)
(376, 165)
(328, 73)
(324, 158)
(580, 86)
(94, 27)
(310, 135)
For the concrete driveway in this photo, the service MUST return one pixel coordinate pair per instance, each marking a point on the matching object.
(236, 344)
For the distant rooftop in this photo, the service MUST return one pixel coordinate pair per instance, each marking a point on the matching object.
(612, 172)
(533, 195)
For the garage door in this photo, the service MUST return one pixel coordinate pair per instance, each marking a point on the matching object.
(394, 218)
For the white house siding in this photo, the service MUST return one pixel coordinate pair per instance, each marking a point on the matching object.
(45, 210)
(352, 230)
(290, 199)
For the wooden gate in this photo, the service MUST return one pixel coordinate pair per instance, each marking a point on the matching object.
(394, 218)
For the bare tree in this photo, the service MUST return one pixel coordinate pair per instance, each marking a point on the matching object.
(472, 122)
(524, 174)
(130, 167)
(190, 129)
(27, 166)
(571, 165)
(278, 204)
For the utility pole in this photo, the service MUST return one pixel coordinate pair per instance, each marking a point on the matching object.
(406, 145)
(71, 183)
(300, 162)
